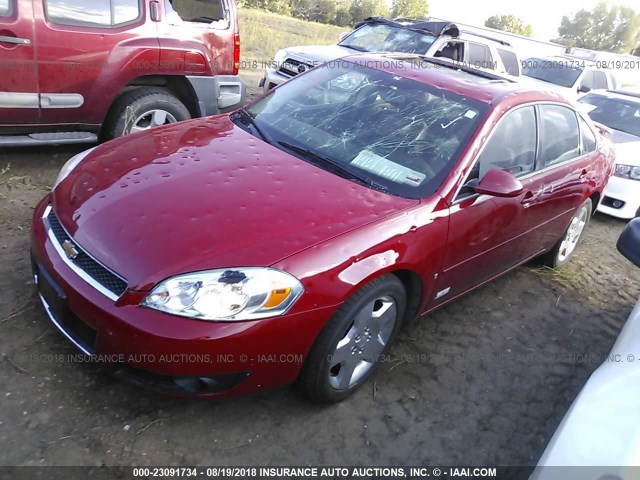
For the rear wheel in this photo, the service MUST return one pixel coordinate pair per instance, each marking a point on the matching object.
(142, 109)
(565, 247)
(349, 347)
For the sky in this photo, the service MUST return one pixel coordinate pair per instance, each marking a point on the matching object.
(544, 15)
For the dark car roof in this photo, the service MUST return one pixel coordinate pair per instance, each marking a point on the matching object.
(458, 78)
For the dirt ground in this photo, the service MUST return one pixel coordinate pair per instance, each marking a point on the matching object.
(484, 381)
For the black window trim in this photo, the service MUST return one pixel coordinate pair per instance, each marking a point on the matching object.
(73, 23)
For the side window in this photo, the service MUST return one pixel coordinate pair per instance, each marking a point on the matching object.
(599, 79)
(453, 50)
(587, 81)
(198, 11)
(6, 8)
(103, 13)
(560, 136)
(588, 137)
(512, 147)
(510, 61)
(480, 56)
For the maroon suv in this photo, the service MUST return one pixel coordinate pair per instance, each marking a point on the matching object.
(74, 71)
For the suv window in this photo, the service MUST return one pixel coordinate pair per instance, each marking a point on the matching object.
(512, 147)
(379, 37)
(588, 137)
(599, 80)
(560, 136)
(510, 60)
(453, 50)
(198, 11)
(480, 56)
(5, 7)
(104, 13)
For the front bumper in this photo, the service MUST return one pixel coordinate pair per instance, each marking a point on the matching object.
(272, 78)
(625, 191)
(164, 352)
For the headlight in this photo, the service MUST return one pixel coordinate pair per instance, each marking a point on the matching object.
(68, 167)
(279, 58)
(627, 171)
(229, 295)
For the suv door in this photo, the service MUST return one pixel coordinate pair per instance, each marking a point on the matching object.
(485, 232)
(87, 53)
(19, 102)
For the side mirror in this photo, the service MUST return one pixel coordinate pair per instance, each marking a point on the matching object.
(629, 242)
(344, 35)
(499, 183)
(583, 89)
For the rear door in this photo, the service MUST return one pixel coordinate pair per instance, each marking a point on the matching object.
(19, 102)
(87, 52)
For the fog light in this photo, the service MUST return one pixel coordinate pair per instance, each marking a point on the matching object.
(618, 204)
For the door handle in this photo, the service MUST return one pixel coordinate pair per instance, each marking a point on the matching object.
(531, 197)
(15, 40)
(584, 174)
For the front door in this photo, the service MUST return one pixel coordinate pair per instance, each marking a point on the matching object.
(19, 103)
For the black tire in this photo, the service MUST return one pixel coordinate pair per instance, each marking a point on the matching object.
(558, 256)
(320, 373)
(134, 106)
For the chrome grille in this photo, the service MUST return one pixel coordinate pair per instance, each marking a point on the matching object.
(99, 276)
(292, 67)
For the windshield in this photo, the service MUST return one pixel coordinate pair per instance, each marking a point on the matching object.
(549, 71)
(616, 113)
(378, 37)
(383, 130)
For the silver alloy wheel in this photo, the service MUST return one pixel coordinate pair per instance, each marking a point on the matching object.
(358, 351)
(574, 232)
(150, 119)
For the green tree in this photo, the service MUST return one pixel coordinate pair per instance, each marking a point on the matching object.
(509, 23)
(361, 9)
(323, 11)
(612, 29)
(410, 8)
(343, 13)
(276, 6)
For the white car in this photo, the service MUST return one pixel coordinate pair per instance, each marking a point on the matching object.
(620, 111)
(570, 76)
(428, 38)
(600, 434)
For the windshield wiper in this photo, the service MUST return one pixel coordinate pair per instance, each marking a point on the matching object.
(334, 166)
(357, 49)
(247, 119)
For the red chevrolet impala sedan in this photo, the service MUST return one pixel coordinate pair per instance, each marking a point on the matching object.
(290, 240)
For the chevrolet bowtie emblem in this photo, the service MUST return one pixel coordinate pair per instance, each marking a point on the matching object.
(70, 250)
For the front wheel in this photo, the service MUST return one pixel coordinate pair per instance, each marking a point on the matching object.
(565, 247)
(349, 347)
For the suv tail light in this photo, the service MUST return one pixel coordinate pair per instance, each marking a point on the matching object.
(236, 53)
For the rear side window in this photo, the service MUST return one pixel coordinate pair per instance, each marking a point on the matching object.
(599, 80)
(588, 137)
(5, 8)
(560, 136)
(102, 13)
(199, 11)
(510, 61)
(480, 56)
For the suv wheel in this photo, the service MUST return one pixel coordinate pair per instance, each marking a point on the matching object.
(142, 109)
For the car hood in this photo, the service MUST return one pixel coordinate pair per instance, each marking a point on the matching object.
(627, 148)
(601, 427)
(205, 194)
(317, 54)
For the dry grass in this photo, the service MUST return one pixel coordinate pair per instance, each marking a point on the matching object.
(265, 33)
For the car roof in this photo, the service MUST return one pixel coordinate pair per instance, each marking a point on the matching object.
(474, 83)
